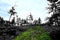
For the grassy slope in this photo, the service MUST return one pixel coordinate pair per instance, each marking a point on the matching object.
(36, 33)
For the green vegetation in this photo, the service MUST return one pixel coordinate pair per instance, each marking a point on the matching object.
(35, 33)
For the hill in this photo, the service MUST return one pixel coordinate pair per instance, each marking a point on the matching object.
(34, 33)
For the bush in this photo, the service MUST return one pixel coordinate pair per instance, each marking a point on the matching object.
(55, 35)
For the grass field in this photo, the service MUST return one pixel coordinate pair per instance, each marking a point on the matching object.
(35, 33)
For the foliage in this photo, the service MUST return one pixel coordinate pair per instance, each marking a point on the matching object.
(52, 0)
(11, 12)
(55, 8)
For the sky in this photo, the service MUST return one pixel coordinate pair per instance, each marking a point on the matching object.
(24, 7)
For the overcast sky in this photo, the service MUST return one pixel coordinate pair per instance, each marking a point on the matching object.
(24, 7)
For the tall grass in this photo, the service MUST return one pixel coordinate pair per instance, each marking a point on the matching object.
(35, 33)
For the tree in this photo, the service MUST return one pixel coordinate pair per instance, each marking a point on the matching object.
(29, 18)
(39, 21)
(1, 20)
(11, 12)
(35, 22)
(54, 7)
(52, 0)
(13, 21)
